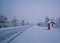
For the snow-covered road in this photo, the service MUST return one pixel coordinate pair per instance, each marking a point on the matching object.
(6, 34)
(37, 34)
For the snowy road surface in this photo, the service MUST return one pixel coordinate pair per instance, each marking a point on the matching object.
(6, 34)
(37, 34)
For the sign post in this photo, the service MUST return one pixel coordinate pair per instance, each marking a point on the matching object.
(48, 26)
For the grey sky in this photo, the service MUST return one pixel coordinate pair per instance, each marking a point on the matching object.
(30, 10)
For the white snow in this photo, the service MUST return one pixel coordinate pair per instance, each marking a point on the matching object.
(7, 34)
(37, 34)
(9, 28)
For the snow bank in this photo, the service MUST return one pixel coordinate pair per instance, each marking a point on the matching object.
(8, 28)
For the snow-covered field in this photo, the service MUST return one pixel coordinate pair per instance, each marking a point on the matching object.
(36, 34)
(9, 33)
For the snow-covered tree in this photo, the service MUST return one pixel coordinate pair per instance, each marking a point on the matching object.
(22, 22)
(14, 21)
(27, 23)
(3, 21)
(46, 19)
(40, 24)
(58, 22)
(53, 20)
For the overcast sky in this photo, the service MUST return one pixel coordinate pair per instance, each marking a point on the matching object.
(30, 10)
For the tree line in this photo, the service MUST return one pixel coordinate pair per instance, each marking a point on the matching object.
(47, 19)
(4, 22)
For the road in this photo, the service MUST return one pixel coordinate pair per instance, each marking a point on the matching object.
(6, 34)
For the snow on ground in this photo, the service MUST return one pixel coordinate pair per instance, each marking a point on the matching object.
(7, 34)
(36, 34)
(9, 28)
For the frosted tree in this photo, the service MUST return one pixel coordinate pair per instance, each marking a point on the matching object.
(58, 22)
(53, 20)
(22, 22)
(14, 21)
(3, 21)
(27, 23)
(46, 21)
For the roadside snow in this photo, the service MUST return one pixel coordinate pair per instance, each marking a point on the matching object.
(9, 28)
(37, 34)
(8, 34)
